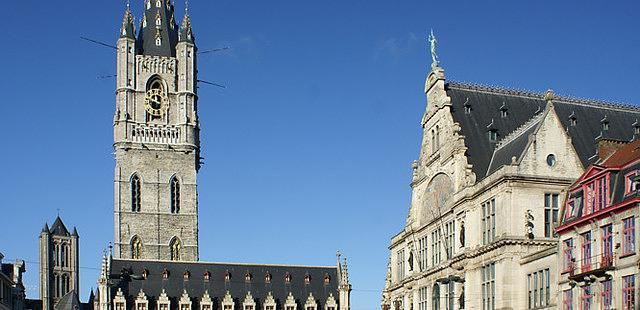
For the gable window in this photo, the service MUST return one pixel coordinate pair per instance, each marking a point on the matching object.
(573, 121)
(175, 195)
(488, 286)
(567, 253)
(489, 221)
(629, 236)
(605, 125)
(550, 214)
(136, 248)
(586, 252)
(628, 292)
(467, 109)
(175, 247)
(630, 183)
(135, 193)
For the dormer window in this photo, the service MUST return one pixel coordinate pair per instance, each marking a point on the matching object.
(467, 109)
(158, 41)
(307, 279)
(605, 123)
(186, 275)
(287, 278)
(573, 121)
(227, 276)
(158, 3)
(165, 274)
(503, 110)
(247, 277)
(148, 4)
(145, 274)
(636, 128)
(158, 22)
(207, 276)
(327, 279)
(267, 278)
(493, 135)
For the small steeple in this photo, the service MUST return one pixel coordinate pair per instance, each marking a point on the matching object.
(186, 34)
(45, 229)
(75, 232)
(159, 33)
(128, 30)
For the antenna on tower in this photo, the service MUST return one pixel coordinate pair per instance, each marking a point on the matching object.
(186, 7)
(220, 49)
(212, 84)
(128, 4)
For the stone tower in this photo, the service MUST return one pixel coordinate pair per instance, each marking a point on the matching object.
(156, 138)
(59, 256)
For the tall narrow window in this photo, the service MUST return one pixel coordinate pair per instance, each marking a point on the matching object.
(136, 248)
(436, 296)
(424, 299)
(567, 252)
(437, 136)
(606, 295)
(63, 255)
(607, 245)
(400, 265)
(175, 246)
(586, 298)
(489, 221)
(628, 293)
(567, 300)
(550, 214)
(135, 193)
(586, 252)
(488, 286)
(629, 236)
(175, 195)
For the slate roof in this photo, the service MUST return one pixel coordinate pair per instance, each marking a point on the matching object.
(486, 104)
(168, 31)
(217, 286)
(58, 228)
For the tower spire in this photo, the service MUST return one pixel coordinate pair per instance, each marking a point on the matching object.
(128, 30)
(186, 33)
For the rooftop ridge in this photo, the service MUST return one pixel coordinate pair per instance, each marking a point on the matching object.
(518, 131)
(216, 263)
(540, 95)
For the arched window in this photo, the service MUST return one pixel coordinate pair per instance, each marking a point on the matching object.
(63, 255)
(65, 284)
(136, 248)
(436, 297)
(56, 254)
(175, 246)
(135, 193)
(56, 285)
(175, 195)
(437, 136)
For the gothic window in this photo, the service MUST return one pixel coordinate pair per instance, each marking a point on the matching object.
(56, 254)
(56, 285)
(287, 278)
(175, 246)
(307, 279)
(158, 41)
(63, 255)
(267, 277)
(65, 284)
(136, 248)
(248, 277)
(158, 3)
(175, 195)
(207, 276)
(135, 193)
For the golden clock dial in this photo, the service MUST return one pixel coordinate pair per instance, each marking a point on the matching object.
(155, 102)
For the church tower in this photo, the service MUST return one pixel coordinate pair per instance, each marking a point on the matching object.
(59, 255)
(156, 138)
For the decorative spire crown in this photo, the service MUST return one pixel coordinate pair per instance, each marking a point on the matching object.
(128, 30)
(435, 62)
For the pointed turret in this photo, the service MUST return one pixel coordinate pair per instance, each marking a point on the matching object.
(128, 30)
(75, 232)
(45, 229)
(186, 34)
(159, 33)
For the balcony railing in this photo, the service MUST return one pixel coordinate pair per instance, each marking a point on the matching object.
(155, 134)
(595, 265)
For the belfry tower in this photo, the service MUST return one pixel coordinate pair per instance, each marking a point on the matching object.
(156, 138)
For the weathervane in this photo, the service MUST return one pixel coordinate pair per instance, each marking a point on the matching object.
(434, 57)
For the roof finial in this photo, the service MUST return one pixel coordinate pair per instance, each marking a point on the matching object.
(434, 56)
(186, 7)
(128, 5)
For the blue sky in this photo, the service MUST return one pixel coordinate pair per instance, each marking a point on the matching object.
(308, 150)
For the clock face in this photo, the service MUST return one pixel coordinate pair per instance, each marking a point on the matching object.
(155, 102)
